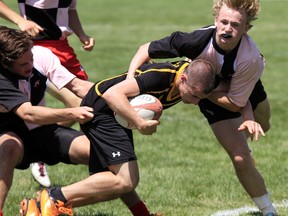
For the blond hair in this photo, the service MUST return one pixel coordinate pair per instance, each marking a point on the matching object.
(251, 8)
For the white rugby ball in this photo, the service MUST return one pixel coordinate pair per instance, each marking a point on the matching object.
(147, 106)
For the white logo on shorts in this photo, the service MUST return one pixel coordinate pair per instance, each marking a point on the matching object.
(114, 154)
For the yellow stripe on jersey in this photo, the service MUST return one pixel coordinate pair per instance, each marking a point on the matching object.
(100, 82)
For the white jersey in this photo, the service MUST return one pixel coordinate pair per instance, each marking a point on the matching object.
(50, 14)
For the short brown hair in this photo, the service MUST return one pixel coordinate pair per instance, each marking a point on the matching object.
(13, 44)
(201, 74)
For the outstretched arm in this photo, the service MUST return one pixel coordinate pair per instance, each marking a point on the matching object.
(24, 25)
(253, 127)
(139, 58)
(249, 123)
(44, 115)
(79, 87)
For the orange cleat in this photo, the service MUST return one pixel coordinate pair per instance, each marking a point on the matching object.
(29, 207)
(51, 207)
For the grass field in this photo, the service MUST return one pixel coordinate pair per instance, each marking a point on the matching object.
(184, 171)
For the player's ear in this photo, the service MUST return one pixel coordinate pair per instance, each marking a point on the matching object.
(247, 27)
(215, 20)
(183, 77)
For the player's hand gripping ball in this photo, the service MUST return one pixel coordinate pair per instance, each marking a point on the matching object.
(147, 106)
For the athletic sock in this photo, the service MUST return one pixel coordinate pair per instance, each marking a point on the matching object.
(264, 204)
(57, 194)
(1, 213)
(139, 209)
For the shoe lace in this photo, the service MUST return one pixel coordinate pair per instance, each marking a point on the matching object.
(42, 169)
(64, 210)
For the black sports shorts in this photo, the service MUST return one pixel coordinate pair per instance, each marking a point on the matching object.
(215, 113)
(110, 143)
(49, 144)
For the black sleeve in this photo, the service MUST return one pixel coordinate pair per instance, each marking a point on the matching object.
(182, 44)
(155, 77)
(10, 95)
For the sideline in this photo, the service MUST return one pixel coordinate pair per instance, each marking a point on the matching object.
(247, 209)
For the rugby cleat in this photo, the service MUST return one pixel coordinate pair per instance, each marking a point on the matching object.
(51, 207)
(40, 174)
(29, 207)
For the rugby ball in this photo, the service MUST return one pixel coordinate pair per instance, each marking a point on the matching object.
(147, 106)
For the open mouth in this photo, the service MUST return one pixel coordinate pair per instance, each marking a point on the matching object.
(227, 36)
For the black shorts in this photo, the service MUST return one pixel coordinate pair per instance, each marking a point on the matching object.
(215, 113)
(110, 143)
(49, 144)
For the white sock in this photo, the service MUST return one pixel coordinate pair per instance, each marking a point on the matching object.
(264, 204)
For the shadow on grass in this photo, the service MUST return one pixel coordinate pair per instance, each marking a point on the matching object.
(93, 214)
(255, 213)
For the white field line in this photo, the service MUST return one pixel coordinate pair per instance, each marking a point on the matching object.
(246, 209)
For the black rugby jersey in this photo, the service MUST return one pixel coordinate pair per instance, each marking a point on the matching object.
(157, 79)
(14, 91)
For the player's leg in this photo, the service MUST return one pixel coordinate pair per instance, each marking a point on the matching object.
(11, 153)
(103, 186)
(79, 150)
(235, 144)
(135, 204)
(262, 114)
(69, 99)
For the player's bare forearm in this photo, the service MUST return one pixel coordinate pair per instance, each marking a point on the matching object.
(79, 87)
(221, 99)
(44, 115)
(140, 57)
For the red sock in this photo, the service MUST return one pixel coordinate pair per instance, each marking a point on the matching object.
(140, 209)
(1, 213)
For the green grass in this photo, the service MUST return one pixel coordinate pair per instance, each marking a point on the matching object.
(183, 169)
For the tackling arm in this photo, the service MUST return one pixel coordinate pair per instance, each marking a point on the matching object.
(219, 96)
(44, 115)
(24, 25)
(79, 87)
(139, 58)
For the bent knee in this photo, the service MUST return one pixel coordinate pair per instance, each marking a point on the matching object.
(242, 163)
(127, 185)
(11, 146)
(266, 127)
(123, 185)
(262, 115)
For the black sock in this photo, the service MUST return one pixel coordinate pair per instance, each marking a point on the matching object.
(57, 194)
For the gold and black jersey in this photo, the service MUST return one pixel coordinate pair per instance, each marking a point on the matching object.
(157, 79)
